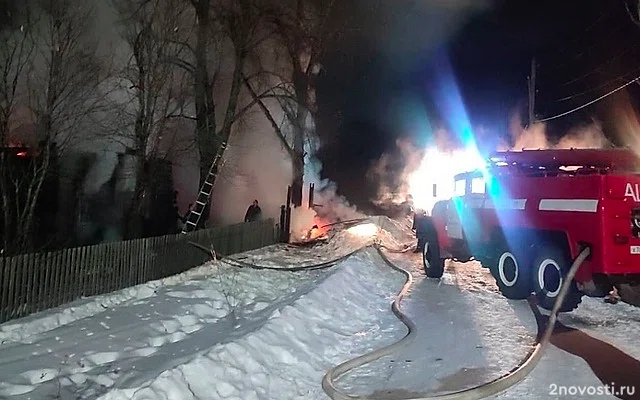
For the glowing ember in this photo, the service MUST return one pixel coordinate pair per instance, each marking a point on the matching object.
(439, 168)
(364, 230)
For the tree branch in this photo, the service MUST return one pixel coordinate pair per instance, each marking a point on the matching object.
(272, 121)
(187, 66)
(634, 18)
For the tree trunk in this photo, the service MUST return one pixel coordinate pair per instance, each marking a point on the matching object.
(297, 185)
(205, 108)
(6, 205)
(222, 139)
(300, 82)
(33, 195)
(135, 216)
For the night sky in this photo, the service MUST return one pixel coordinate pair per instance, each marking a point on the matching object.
(382, 77)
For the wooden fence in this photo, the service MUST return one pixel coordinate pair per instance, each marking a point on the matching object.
(39, 281)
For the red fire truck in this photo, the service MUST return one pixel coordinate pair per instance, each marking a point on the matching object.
(528, 214)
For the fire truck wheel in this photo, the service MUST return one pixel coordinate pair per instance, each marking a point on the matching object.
(511, 274)
(433, 264)
(549, 269)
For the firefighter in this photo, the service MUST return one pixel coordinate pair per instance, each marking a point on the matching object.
(421, 227)
(254, 212)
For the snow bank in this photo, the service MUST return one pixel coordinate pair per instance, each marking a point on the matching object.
(287, 357)
(134, 342)
(20, 330)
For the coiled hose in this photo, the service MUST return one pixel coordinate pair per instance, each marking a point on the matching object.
(494, 387)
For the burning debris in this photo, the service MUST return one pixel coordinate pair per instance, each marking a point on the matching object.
(315, 233)
(319, 231)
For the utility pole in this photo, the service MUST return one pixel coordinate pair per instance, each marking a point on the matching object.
(532, 93)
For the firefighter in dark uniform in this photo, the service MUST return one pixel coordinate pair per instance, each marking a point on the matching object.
(254, 212)
(421, 226)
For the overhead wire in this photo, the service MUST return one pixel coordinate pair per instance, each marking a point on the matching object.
(602, 86)
(600, 67)
(591, 102)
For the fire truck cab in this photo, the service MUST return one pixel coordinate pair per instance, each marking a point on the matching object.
(528, 214)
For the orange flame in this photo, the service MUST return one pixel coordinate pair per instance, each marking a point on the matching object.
(318, 230)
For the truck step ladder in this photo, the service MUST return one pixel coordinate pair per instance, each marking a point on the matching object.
(203, 196)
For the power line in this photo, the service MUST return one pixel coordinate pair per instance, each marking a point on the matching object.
(622, 78)
(591, 102)
(601, 67)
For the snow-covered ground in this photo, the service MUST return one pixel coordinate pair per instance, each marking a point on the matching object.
(468, 334)
(215, 332)
(222, 332)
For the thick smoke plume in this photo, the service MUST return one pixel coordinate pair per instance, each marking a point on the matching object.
(585, 136)
(394, 171)
(256, 167)
(409, 169)
(328, 205)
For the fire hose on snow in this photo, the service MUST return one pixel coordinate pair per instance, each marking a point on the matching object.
(310, 267)
(494, 387)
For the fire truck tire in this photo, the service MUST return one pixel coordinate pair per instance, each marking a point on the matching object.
(433, 264)
(511, 272)
(549, 269)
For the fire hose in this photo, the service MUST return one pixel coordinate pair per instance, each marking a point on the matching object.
(494, 387)
(348, 221)
(310, 267)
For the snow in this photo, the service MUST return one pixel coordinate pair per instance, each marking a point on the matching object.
(468, 334)
(223, 332)
(157, 339)
(287, 356)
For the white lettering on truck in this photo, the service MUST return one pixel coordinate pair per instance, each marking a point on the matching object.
(633, 192)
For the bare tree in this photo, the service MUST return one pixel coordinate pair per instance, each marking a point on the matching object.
(54, 75)
(149, 28)
(226, 31)
(302, 26)
(197, 63)
(16, 49)
(633, 10)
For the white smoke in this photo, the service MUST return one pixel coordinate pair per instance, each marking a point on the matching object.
(107, 132)
(584, 136)
(410, 169)
(394, 170)
(391, 172)
(255, 167)
(328, 205)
